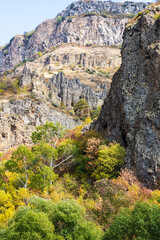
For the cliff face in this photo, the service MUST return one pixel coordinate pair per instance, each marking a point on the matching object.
(18, 119)
(131, 111)
(59, 89)
(81, 7)
(99, 29)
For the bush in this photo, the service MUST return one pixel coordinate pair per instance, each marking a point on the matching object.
(81, 109)
(68, 218)
(69, 20)
(156, 16)
(142, 222)
(109, 162)
(60, 19)
(28, 224)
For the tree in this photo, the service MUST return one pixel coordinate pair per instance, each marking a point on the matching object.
(69, 220)
(28, 224)
(81, 109)
(109, 162)
(49, 133)
(6, 207)
(21, 162)
(142, 222)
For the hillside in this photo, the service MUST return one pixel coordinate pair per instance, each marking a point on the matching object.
(97, 23)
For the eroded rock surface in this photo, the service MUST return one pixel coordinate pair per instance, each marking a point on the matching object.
(131, 111)
(96, 29)
(18, 119)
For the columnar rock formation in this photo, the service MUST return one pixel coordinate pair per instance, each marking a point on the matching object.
(59, 89)
(131, 111)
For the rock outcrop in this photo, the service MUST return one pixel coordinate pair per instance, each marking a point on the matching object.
(58, 89)
(18, 119)
(81, 7)
(99, 29)
(131, 111)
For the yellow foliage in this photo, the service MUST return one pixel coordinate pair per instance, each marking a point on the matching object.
(155, 194)
(87, 121)
(6, 208)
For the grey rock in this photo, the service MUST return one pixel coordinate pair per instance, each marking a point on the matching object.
(131, 111)
(61, 90)
(18, 119)
(81, 30)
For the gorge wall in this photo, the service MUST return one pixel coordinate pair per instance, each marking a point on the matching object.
(18, 119)
(131, 111)
(81, 23)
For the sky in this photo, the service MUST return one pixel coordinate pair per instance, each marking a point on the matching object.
(19, 16)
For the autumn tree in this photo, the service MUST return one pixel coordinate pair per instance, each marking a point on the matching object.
(21, 162)
(48, 133)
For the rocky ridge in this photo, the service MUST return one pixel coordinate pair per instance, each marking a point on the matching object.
(131, 111)
(82, 29)
(81, 7)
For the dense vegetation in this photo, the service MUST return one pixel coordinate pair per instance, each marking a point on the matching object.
(70, 185)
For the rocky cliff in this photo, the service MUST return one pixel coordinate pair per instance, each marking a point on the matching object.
(89, 25)
(58, 89)
(131, 111)
(18, 119)
(81, 7)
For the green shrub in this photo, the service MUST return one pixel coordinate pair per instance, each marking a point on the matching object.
(68, 217)
(77, 38)
(60, 19)
(157, 16)
(109, 162)
(5, 52)
(28, 224)
(142, 222)
(69, 20)
(81, 109)
(90, 14)
(28, 35)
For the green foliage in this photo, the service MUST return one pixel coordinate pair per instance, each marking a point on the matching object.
(89, 14)
(69, 20)
(28, 35)
(45, 220)
(28, 224)
(41, 205)
(143, 222)
(49, 133)
(9, 85)
(60, 19)
(42, 177)
(156, 16)
(77, 38)
(95, 112)
(109, 162)
(81, 109)
(90, 71)
(23, 161)
(5, 52)
(68, 219)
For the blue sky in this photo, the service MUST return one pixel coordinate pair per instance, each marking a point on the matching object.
(18, 16)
